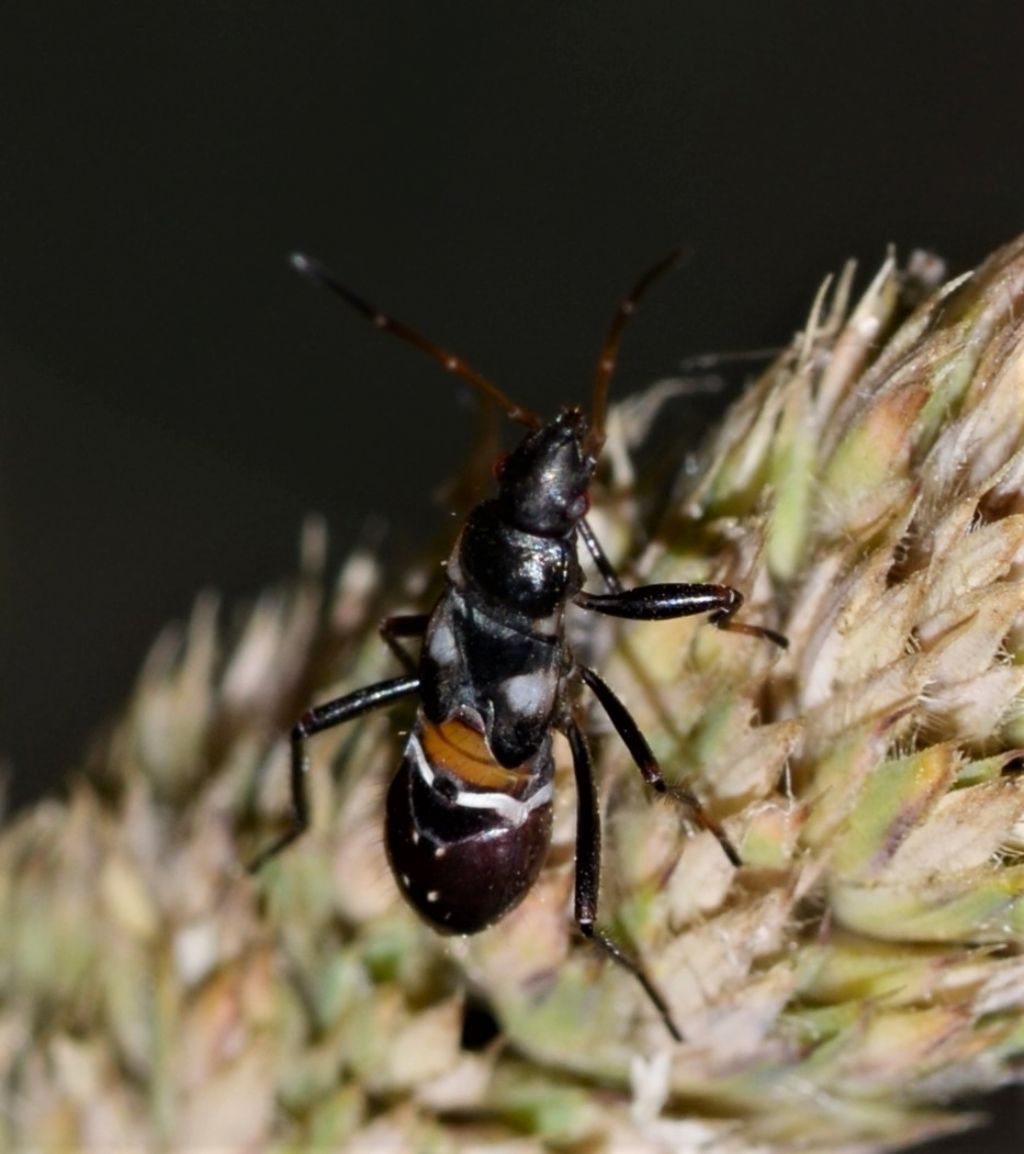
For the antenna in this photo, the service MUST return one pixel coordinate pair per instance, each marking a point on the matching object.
(613, 338)
(314, 271)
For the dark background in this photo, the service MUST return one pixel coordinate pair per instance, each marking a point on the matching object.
(174, 400)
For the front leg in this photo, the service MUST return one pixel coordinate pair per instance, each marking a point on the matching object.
(663, 602)
(588, 872)
(316, 721)
(596, 550)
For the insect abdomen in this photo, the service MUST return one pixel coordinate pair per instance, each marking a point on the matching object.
(465, 837)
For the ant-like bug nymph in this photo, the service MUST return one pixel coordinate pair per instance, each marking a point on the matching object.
(468, 816)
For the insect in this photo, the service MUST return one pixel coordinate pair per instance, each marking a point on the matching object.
(469, 810)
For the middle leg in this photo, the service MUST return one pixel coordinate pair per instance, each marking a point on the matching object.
(315, 721)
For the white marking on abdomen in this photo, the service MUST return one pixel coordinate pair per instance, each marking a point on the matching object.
(512, 809)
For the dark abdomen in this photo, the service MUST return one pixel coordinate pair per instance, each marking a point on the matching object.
(465, 837)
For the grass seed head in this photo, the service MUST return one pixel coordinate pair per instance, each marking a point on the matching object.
(862, 969)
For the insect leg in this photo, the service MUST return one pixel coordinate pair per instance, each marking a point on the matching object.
(403, 625)
(647, 763)
(660, 602)
(588, 872)
(315, 721)
(594, 548)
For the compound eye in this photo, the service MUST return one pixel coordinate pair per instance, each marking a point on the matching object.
(498, 468)
(578, 507)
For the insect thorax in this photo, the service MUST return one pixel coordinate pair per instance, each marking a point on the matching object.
(521, 572)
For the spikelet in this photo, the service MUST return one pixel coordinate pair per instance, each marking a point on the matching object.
(838, 992)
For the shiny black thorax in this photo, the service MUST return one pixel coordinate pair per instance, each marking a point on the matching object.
(495, 650)
(522, 577)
